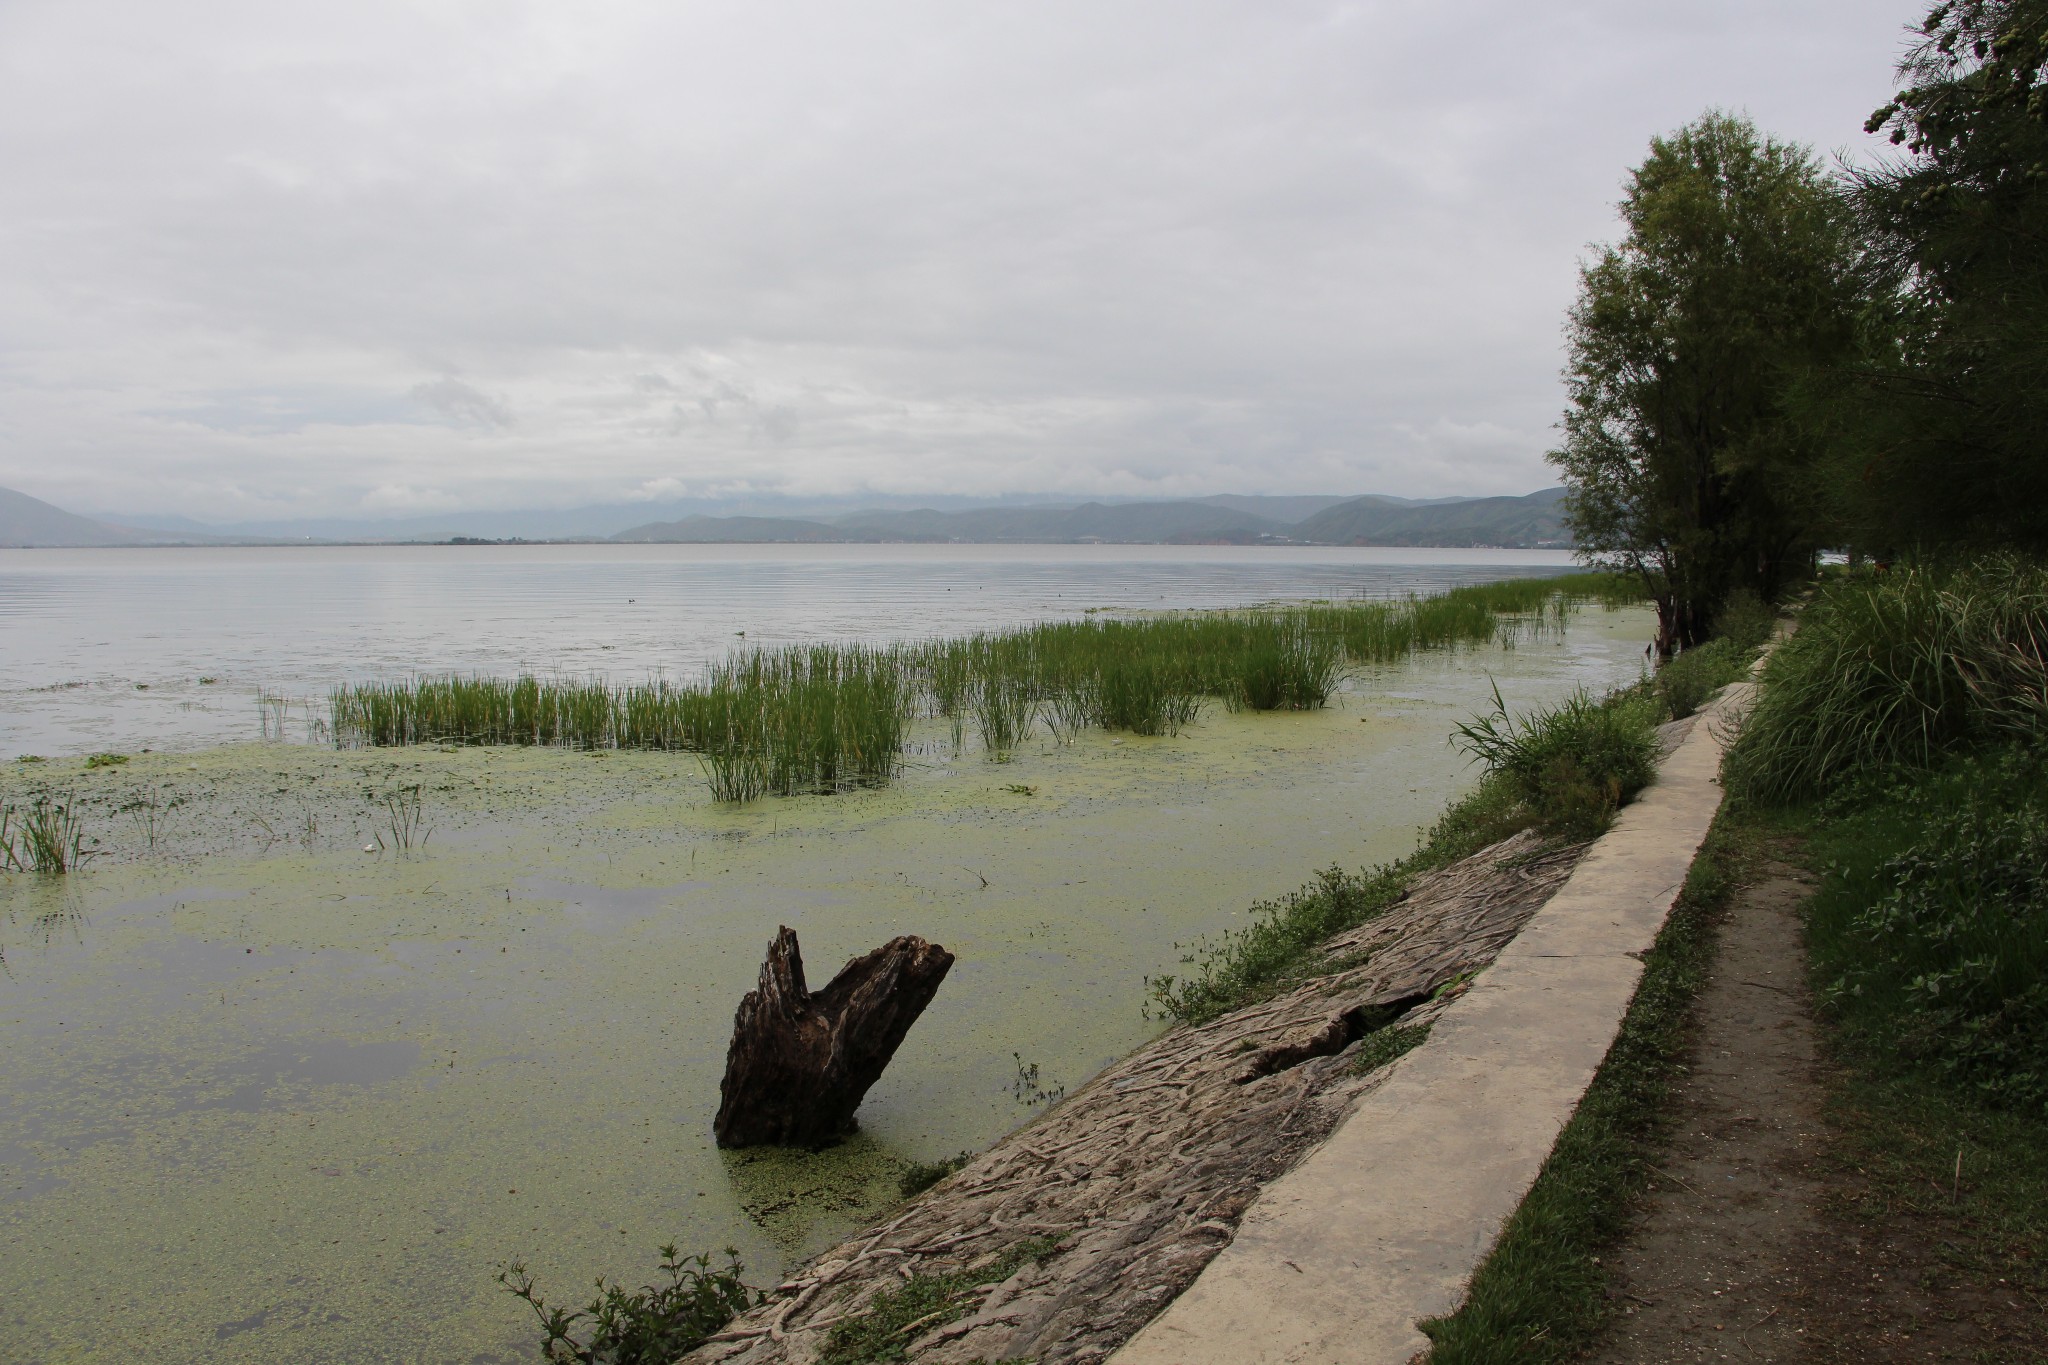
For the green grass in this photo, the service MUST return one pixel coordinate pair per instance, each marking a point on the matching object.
(1894, 671)
(1541, 1295)
(899, 1315)
(830, 717)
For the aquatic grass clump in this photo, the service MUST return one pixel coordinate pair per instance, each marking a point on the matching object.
(48, 837)
(1004, 713)
(1574, 764)
(1291, 668)
(1897, 670)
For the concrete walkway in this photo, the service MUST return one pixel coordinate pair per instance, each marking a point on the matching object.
(1383, 1225)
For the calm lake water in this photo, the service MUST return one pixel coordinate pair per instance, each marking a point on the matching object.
(275, 1091)
(105, 649)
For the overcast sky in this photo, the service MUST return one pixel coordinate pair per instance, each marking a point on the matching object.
(269, 259)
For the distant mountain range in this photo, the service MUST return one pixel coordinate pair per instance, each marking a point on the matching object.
(1519, 523)
(1535, 520)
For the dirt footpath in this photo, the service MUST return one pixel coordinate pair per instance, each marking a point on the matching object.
(1741, 1251)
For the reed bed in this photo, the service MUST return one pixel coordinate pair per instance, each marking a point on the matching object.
(826, 718)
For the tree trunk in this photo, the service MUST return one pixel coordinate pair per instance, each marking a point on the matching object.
(800, 1063)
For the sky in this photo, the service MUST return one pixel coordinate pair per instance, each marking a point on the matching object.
(262, 260)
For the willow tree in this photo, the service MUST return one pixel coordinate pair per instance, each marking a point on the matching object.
(1680, 460)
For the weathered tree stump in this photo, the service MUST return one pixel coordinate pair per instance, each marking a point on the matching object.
(800, 1063)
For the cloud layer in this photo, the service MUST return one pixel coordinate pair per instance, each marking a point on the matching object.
(271, 260)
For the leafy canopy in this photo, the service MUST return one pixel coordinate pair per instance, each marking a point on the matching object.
(1682, 463)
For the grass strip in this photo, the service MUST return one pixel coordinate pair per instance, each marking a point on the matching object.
(1541, 1295)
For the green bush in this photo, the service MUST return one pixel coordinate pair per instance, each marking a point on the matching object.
(1574, 764)
(1685, 681)
(1745, 620)
(1931, 929)
(1896, 670)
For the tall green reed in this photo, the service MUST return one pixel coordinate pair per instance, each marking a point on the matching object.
(827, 717)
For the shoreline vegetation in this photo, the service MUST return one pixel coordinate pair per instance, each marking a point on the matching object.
(1895, 750)
(829, 717)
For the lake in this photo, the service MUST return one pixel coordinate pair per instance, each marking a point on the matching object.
(105, 649)
(274, 1091)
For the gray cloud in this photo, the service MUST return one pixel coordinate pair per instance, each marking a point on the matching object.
(1154, 248)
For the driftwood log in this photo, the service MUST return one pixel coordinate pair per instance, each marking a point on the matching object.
(1142, 1175)
(800, 1063)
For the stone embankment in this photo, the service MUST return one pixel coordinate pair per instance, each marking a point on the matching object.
(1254, 1189)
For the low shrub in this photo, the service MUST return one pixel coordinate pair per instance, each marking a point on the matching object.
(1930, 932)
(920, 1176)
(1685, 682)
(1745, 621)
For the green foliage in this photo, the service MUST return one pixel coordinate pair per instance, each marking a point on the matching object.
(1575, 764)
(1745, 620)
(1930, 933)
(1895, 670)
(920, 1176)
(1937, 425)
(1682, 465)
(1566, 769)
(1684, 683)
(649, 1326)
(105, 760)
(1542, 1295)
(922, 1303)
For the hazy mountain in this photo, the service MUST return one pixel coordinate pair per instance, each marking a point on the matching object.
(1534, 520)
(733, 530)
(1142, 523)
(1374, 519)
(1286, 510)
(31, 521)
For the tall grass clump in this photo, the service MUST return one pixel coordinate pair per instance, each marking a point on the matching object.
(1574, 764)
(48, 837)
(1895, 670)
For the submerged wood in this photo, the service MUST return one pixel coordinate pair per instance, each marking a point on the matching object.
(800, 1063)
(1142, 1175)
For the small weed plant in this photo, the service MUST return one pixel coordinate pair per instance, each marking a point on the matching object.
(649, 1326)
(920, 1176)
(924, 1303)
